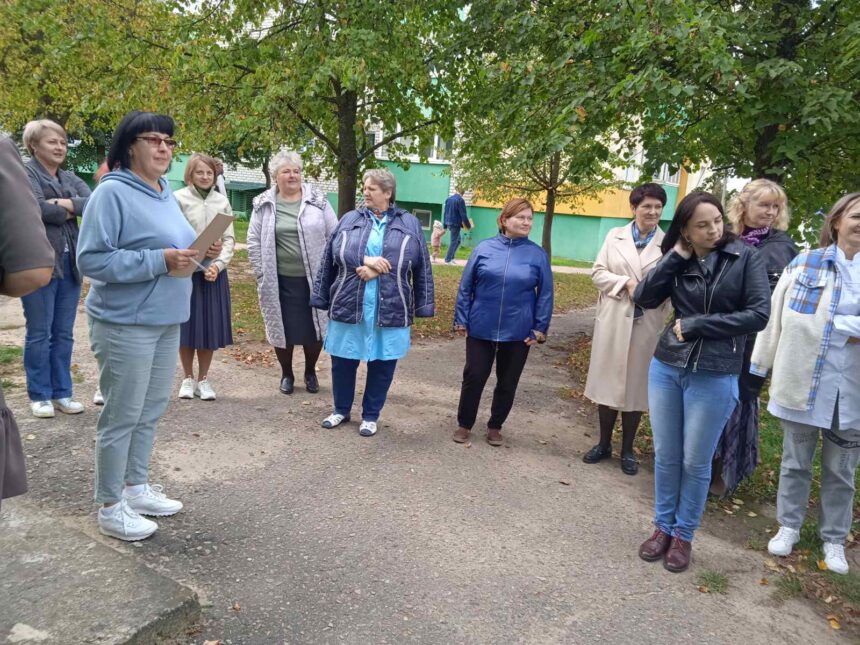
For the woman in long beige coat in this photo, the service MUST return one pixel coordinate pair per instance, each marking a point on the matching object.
(625, 335)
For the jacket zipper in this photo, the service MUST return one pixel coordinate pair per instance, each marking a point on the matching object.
(705, 306)
(710, 299)
(400, 280)
(342, 264)
(306, 259)
(502, 297)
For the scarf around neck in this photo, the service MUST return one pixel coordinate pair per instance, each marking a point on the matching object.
(755, 236)
(637, 237)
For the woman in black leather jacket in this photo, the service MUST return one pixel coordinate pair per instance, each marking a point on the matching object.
(719, 290)
(759, 215)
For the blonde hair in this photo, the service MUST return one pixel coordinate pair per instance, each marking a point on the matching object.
(35, 130)
(196, 160)
(741, 202)
(283, 158)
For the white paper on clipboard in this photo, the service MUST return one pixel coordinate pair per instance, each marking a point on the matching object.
(207, 238)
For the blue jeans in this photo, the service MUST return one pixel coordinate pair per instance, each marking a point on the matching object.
(379, 377)
(50, 314)
(688, 411)
(454, 243)
(137, 365)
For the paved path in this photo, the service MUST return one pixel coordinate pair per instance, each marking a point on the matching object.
(296, 534)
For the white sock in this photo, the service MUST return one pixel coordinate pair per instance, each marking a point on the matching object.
(137, 489)
(109, 510)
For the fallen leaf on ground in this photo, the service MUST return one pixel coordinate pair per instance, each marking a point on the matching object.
(564, 481)
(822, 565)
(828, 600)
(764, 582)
(30, 437)
(834, 623)
(772, 565)
(850, 537)
(468, 444)
(236, 607)
(211, 642)
(737, 501)
(752, 514)
(703, 589)
(542, 442)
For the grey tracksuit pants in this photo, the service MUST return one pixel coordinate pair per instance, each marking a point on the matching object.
(840, 454)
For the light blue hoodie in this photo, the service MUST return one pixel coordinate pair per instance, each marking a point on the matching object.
(126, 226)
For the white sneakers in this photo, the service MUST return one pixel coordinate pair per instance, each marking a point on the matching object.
(783, 542)
(67, 406)
(98, 399)
(204, 391)
(42, 409)
(186, 390)
(367, 428)
(834, 558)
(124, 523)
(190, 388)
(151, 500)
(125, 520)
(334, 420)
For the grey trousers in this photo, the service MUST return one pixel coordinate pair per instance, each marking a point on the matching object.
(137, 365)
(840, 454)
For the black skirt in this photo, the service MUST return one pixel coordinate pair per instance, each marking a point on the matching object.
(13, 471)
(209, 326)
(295, 298)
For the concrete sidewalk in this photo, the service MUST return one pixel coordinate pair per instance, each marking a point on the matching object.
(57, 585)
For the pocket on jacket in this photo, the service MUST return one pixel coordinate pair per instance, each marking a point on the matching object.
(806, 293)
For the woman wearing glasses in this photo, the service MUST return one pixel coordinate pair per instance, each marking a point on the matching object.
(504, 306)
(132, 235)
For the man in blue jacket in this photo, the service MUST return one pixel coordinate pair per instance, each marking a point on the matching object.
(454, 218)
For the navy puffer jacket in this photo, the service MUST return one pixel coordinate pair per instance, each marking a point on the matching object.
(406, 291)
(506, 290)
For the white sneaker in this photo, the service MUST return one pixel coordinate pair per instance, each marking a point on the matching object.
(98, 399)
(122, 522)
(367, 428)
(834, 558)
(334, 420)
(68, 406)
(204, 391)
(783, 542)
(42, 409)
(152, 501)
(186, 390)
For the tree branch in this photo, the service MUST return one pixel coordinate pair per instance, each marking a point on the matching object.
(319, 134)
(391, 137)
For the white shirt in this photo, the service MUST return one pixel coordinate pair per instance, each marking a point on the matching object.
(840, 375)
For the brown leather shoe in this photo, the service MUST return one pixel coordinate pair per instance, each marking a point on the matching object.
(655, 546)
(677, 558)
(494, 436)
(462, 435)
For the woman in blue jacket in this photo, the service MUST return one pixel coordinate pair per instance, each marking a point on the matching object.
(504, 306)
(375, 274)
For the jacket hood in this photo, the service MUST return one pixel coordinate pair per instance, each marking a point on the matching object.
(127, 177)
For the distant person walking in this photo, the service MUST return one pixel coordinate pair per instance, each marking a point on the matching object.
(455, 218)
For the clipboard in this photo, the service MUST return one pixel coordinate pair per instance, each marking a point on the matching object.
(211, 234)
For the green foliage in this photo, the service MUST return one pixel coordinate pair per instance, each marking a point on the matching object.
(712, 581)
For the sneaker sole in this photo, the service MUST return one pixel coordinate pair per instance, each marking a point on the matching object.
(153, 514)
(329, 427)
(71, 411)
(187, 398)
(44, 416)
(125, 538)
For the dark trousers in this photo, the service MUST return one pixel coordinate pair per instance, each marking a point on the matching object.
(379, 377)
(454, 243)
(510, 358)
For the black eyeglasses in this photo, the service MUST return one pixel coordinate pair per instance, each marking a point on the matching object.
(155, 142)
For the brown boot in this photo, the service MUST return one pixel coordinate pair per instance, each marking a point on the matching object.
(677, 558)
(494, 436)
(655, 546)
(462, 435)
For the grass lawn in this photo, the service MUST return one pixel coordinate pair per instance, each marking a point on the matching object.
(463, 253)
(572, 291)
(11, 366)
(240, 228)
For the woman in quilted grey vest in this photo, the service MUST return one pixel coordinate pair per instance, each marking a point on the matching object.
(289, 227)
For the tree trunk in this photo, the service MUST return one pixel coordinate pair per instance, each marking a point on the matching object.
(551, 190)
(347, 165)
(267, 173)
(763, 164)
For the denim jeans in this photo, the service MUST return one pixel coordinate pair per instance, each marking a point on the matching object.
(454, 243)
(379, 377)
(840, 454)
(137, 366)
(688, 411)
(50, 314)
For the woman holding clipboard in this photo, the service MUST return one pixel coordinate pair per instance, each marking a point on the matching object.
(208, 327)
(140, 294)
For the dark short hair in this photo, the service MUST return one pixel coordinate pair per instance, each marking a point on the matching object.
(131, 125)
(638, 194)
(684, 213)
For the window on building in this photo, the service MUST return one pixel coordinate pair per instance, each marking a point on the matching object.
(665, 177)
(423, 216)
